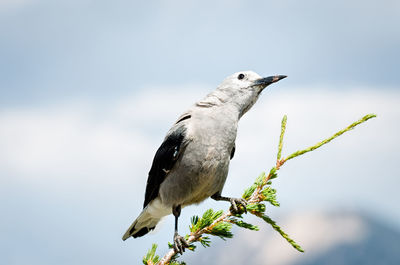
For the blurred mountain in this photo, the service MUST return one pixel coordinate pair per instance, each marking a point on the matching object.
(379, 245)
(328, 238)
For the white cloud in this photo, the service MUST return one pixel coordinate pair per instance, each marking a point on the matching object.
(87, 144)
(67, 143)
(68, 140)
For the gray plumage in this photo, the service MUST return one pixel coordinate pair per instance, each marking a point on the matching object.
(193, 162)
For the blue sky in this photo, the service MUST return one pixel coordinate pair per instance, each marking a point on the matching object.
(99, 49)
(89, 88)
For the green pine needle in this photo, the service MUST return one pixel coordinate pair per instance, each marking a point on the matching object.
(205, 241)
(151, 256)
(247, 193)
(222, 230)
(283, 128)
(272, 173)
(280, 231)
(243, 224)
(269, 195)
(207, 219)
(256, 207)
(318, 145)
(259, 182)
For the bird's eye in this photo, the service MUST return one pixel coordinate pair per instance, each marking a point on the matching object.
(240, 76)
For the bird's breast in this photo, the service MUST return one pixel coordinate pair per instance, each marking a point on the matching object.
(202, 169)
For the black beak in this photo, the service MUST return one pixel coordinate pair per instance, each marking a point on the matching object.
(266, 81)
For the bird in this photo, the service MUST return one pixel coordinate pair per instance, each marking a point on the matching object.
(192, 162)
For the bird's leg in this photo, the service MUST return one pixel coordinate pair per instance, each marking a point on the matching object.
(179, 242)
(234, 202)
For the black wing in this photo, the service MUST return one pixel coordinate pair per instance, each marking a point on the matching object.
(233, 150)
(163, 161)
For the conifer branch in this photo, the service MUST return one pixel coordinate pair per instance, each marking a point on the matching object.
(219, 223)
(318, 145)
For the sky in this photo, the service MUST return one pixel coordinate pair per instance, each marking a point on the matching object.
(89, 89)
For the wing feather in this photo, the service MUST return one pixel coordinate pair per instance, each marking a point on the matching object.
(164, 160)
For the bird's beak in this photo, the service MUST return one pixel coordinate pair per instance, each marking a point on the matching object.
(266, 81)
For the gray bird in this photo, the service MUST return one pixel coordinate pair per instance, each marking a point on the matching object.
(193, 161)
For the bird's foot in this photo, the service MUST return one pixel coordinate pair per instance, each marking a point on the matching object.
(180, 243)
(234, 205)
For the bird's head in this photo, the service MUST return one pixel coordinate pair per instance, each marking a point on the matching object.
(243, 88)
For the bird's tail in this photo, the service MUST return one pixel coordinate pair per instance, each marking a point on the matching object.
(148, 219)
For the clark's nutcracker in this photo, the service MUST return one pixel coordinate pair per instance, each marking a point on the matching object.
(192, 163)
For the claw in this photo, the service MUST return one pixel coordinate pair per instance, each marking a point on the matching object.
(234, 201)
(240, 201)
(180, 244)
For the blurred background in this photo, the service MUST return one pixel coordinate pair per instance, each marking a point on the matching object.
(89, 89)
